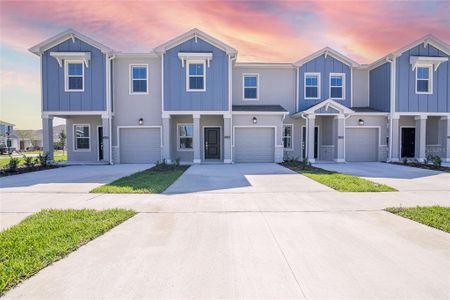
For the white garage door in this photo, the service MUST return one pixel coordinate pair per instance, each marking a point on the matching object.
(361, 144)
(140, 145)
(254, 144)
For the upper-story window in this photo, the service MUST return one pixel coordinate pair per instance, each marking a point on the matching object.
(312, 85)
(139, 79)
(250, 86)
(74, 76)
(337, 85)
(424, 80)
(196, 76)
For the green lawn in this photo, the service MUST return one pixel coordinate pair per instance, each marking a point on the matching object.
(344, 182)
(434, 216)
(145, 182)
(47, 236)
(57, 156)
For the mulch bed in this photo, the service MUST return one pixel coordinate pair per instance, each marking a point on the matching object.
(423, 166)
(168, 167)
(302, 167)
(22, 170)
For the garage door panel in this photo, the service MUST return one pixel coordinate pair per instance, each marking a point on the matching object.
(254, 144)
(140, 145)
(361, 144)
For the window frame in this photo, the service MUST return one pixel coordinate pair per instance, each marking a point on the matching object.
(74, 138)
(132, 79)
(283, 136)
(343, 85)
(319, 83)
(179, 137)
(66, 75)
(244, 87)
(430, 79)
(195, 62)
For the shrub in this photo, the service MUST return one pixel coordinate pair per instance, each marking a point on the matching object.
(28, 161)
(13, 164)
(43, 160)
(405, 161)
(177, 162)
(435, 160)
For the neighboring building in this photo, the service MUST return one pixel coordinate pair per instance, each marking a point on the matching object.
(7, 137)
(190, 99)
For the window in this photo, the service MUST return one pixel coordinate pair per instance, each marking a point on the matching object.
(287, 136)
(139, 79)
(337, 82)
(82, 137)
(424, 76)
(74, 76)
(195, 79)
(185, 137)
(250, 83)
(312, 85)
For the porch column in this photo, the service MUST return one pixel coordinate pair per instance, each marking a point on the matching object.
(395, 139)
(340, 142)
(310, 138)
(196, 139)
(446, 143)
(421, 131)
(106, 139)
(227, 139)
(165, 151)
(47, 135)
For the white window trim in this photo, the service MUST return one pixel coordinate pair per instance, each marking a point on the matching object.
(66, 75)
(131, 79)
(318, 85)
(243, 86)
(74, 138)
(292, 136)
(430, 79)
(192, 61)
(178, 137)
(343, 85)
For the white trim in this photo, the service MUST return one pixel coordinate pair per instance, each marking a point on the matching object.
(306, 142)
(371, 114)
(63, 56)
(426, 40)
(319, 85)
(434, 61)
(292, 136)
(74, 138)
(401, 144)
(193, 112)
(351, 87)
(130, 78)
(430, 78)
(137, 127)
(430, 114)
(259, 112)
(46, 114)
(189, 62)
(244, 87)
(257, 126)
(187, 56)
(162, 83)
(297, 87)
(220, 139)
(331, 52)
(178, 137)
(66, 75)
(342, 75)
(330, 103)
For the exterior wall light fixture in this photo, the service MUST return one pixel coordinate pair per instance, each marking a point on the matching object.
(361, 122)
(141, 121)
(255, 120)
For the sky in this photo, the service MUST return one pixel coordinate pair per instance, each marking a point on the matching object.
(261, 31)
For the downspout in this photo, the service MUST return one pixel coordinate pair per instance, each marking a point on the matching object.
(230, 99)
(306, 137)
(110, 108)
(392, 61)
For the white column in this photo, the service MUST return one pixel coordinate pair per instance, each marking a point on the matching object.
(421, 131)
(395, 139)
(227, 151)
(47, 135)
(196, 139)
(106, 138)
(446, 143)
(340, 141)
(310, 138)
(166, 139)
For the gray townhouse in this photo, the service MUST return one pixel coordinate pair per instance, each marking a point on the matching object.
(189, 99)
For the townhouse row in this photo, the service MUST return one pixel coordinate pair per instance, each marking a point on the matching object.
(189, 99)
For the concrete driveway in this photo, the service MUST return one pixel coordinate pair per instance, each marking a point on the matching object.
(400, 177)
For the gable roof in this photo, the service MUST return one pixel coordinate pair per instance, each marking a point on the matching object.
(195, 33)
(328, 51)
(329, 103)
(63, 36)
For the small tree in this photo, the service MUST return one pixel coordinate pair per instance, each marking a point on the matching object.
(62, 140)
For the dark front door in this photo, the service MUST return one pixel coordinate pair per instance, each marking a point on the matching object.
(100, 143)
(212, 143)
(408, 142)
(316, 141)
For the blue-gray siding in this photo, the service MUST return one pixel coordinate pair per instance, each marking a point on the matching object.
(325, 66)
(215, 98)
(380, 87)
(406, 98)
(54, 96)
